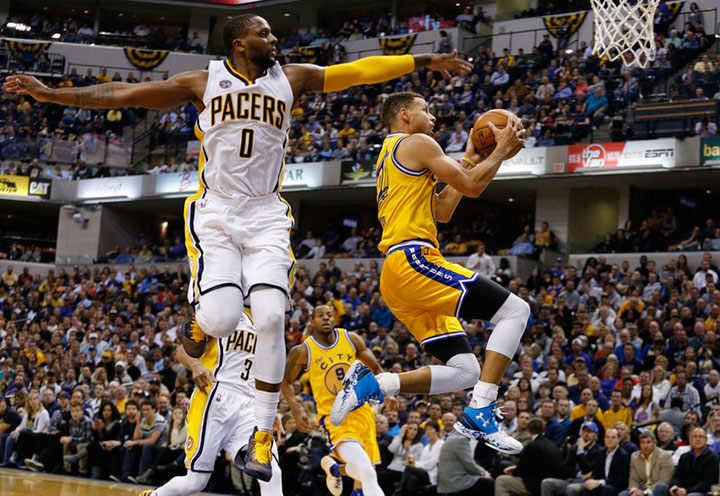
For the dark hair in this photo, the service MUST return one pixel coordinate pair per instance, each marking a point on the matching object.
(114, 415)
(237, 27)
(393, 103)
(433, 424)
(149, 403)
(536, 426)
(418, 436)
(131, 402)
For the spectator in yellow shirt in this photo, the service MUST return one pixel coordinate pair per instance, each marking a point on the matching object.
(9, 277)
(103, 77)
(545, 238)
(346, 131)
(456, 247)
(616, 412)
(711, 323)
(579, 410)
(507, 60)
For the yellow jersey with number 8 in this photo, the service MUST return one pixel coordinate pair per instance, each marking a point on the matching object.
(406, 198)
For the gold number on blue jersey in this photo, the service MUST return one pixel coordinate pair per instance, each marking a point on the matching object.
(247, 136)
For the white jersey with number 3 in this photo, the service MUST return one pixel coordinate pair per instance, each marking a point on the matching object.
(243, 130)
(231, 359)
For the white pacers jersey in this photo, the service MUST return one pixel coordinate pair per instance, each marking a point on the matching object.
(231, 358)
(243, 130)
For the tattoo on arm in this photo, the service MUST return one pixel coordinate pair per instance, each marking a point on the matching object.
(101, 94)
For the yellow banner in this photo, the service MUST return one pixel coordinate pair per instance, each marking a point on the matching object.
(145, 60)
(14, 185)
(18, 49)
(397, 46)
(310, 55)
(565, 24)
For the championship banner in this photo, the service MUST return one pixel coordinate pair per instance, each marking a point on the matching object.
(310, 55)
(357, 172)
(675, 8)
(397, 46)
(145, 60)
(649, 153)
(564, 25)
(21, 50)
(710, 151)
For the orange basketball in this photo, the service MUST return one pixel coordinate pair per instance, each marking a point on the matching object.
(483, 137)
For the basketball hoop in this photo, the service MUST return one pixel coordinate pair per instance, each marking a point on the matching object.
(624, 30)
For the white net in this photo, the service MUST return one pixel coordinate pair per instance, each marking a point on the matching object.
(624, 30)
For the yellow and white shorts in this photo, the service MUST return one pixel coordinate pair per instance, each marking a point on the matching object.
(221, 420)
(424, 290)
(242, 243)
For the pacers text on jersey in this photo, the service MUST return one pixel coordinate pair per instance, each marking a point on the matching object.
(248, 106)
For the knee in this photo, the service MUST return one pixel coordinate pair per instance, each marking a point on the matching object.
(270, 324)
(467, 370)
(219, 322)
(513, 308)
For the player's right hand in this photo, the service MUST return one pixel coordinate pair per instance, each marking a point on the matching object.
(204, 379)
(508, 137)
(26, 85)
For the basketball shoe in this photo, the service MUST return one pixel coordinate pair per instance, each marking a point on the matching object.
(333, 479)
(359, 387)
(258, 461)
(482, 424)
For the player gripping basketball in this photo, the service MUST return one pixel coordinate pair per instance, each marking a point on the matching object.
(426, 292)
(220, 414)
(327, 354)
(237, 224)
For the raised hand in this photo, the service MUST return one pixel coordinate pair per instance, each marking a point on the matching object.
(445, 63)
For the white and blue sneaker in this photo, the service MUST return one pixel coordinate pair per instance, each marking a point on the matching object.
(482, 424)
(359, 387)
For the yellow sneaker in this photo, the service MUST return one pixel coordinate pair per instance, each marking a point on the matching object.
(258, 461)
(147, 492)
(193, 338)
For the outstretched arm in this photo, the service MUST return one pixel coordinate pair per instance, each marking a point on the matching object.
(296, 361)
(305, 78)
(187, 86)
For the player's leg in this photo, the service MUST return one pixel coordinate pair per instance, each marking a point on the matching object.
(268, 267)
(359, 467)
(185, 485)
(215, 260)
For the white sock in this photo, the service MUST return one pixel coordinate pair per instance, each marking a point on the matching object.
(484, 393)
(389, 383)
(359, 467)
(192, 483)
(266, 404)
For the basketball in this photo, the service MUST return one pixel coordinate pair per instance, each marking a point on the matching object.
(483, 137)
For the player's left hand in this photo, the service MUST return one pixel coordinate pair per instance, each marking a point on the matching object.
(204, 379)
(446, 62)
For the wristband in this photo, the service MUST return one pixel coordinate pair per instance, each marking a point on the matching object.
(469, 162)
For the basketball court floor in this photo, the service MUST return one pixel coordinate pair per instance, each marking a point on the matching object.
(26, 483)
